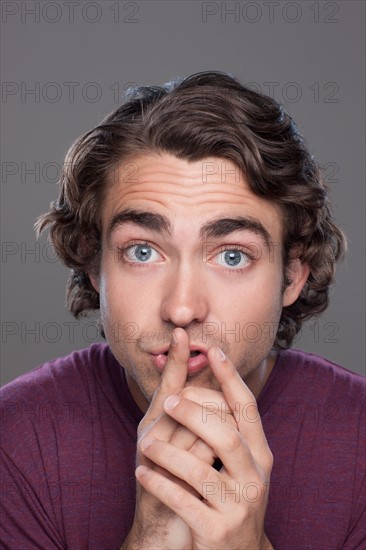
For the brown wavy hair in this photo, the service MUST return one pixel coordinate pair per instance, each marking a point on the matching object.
(208, 114)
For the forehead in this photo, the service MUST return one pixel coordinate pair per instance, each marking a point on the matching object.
(186, 192)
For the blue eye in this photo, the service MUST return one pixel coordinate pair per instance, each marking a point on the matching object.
(139, 253)
(234, 257)
(142, 252)
(231, 258)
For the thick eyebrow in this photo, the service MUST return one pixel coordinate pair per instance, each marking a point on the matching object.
(145, 219)
(158, 223)
(220, 227)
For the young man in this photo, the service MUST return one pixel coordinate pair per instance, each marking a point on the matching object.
(196, 220)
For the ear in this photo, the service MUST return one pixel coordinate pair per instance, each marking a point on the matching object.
(94, 281)
(298, 273)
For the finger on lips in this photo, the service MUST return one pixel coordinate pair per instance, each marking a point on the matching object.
(174, 375)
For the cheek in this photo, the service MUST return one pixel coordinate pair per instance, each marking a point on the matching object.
(257, 310)
(253, 297)
(267, 306)
(259, 292)
(123, 298)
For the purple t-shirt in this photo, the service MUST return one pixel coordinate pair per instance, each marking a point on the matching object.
(68, 452)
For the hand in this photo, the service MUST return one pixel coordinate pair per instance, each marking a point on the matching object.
(229, 506)
(155, 525)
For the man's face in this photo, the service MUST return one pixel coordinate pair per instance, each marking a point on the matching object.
(223, 286)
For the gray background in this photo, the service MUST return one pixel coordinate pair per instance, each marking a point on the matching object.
(78, 60)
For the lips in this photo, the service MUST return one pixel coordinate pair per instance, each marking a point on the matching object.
(197, 360)
(194, 350)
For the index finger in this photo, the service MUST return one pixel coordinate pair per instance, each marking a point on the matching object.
(174, 375)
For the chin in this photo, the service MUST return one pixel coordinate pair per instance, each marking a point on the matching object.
(204, 379)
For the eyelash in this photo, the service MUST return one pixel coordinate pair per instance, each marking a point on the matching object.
(251, 258)
(122, 250)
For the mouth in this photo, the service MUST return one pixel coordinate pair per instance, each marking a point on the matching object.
(193, 353)
(197, 360)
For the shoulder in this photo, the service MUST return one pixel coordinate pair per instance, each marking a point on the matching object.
(74, 367)
(55, 383)
(67, 441)
(305, 385)
(314, 421)
(319, 375)
(329, 399)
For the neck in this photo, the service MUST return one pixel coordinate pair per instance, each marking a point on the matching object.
(136, 393)
(257, 379)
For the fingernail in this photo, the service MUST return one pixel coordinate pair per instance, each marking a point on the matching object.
(220, 354)
(146, 442)
(141, 470)
(171, 402)
(175, 340)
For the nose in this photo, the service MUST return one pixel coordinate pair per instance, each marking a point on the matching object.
(185, 298)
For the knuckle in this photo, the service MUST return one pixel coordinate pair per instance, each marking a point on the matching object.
(199, 471)
(233, 441)
(267, 461)
(256, 481)
(270, 459)
(225, 534)
(220, 533)
(189, 393)
(143, 428)
(177, 496)
(230, 419)
(201, 450)
(140, 429)
(160, 487)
